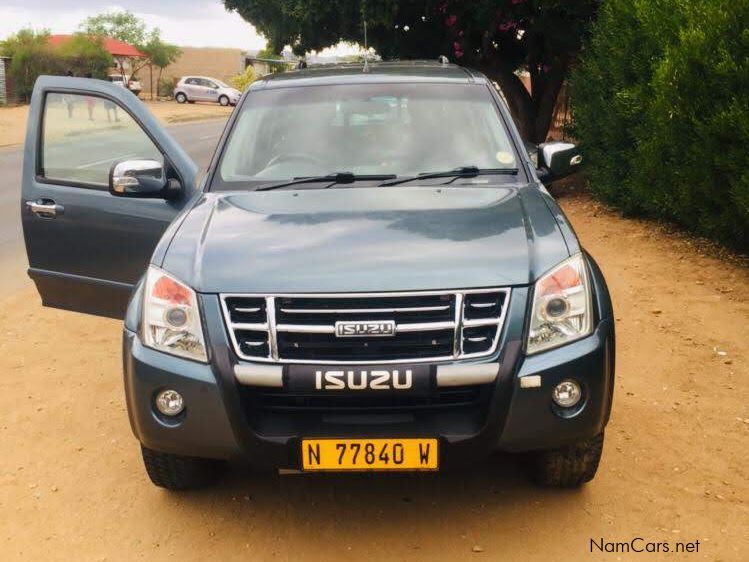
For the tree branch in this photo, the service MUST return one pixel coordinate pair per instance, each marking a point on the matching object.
(516, 94)
(547, 99)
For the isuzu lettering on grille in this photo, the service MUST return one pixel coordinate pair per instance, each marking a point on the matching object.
(365, 329)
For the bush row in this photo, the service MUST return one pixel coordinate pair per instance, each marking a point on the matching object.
(661, 107)
(31, 55)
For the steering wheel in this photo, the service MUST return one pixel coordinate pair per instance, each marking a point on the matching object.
(292, 156)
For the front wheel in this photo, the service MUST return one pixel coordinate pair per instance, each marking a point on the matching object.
(175, 472)
(223, 100)
(569, 466)
(180, 97)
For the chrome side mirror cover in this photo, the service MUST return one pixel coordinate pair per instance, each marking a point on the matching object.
(557, 160)
(137, 178)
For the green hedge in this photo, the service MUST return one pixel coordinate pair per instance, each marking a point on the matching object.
(661, 107)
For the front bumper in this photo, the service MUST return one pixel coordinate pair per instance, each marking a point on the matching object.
(223, 419)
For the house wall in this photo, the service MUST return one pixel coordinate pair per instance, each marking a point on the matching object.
(202, 61)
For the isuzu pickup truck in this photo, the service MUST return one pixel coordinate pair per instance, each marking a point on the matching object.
(370, 276)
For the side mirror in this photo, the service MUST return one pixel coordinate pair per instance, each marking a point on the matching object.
(557, 160)
(141, 178)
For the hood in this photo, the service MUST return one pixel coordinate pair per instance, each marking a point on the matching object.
(365, 240)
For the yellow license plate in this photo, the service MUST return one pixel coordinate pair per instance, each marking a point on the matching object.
(370, 454)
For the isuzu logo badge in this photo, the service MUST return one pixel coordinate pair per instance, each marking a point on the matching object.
(375, 328)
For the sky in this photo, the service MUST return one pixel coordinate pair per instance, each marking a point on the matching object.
(196, 23)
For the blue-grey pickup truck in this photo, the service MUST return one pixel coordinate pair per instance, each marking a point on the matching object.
(370, 276)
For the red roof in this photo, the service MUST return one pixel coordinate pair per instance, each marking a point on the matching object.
(115, 47)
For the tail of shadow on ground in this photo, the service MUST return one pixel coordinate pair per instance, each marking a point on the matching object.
(498, 481)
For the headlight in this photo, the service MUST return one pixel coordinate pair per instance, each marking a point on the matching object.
(171, 318)
(561, 306)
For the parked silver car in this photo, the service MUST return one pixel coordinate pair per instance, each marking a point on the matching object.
(202, 88)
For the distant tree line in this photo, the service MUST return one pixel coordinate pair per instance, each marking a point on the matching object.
(84, 54)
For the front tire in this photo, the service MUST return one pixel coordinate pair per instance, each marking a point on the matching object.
(223, 100)
(180, 97)
(175, 472)
(569, 466)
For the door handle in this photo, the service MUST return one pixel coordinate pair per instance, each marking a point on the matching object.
(45, 208)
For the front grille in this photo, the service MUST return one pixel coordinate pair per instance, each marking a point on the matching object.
(429, 326)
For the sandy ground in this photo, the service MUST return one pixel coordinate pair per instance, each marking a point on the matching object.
(674, 467)
(13, 119)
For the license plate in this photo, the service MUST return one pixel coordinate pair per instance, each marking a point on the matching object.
(370, 454)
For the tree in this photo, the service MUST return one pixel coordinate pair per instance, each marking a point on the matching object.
(85, 55)
(269, 54)
(31, 57)
(499, 37)
(160, 54)
(123, 26)
(127, 27)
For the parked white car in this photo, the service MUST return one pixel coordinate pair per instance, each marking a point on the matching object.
(203, 88)
(126, 81)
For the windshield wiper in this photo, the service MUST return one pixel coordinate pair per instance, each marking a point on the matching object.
(463, 172)
(333, 179)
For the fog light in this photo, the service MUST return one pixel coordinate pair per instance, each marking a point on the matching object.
(567, 393)
(170, 402)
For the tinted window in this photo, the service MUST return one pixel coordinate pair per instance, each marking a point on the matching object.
(84, 135)
(401, 129)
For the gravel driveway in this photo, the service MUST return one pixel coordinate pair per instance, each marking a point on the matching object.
(674, 469)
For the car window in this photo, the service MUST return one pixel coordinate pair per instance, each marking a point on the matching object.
(401, 129)
(84, 135)
(191, 81)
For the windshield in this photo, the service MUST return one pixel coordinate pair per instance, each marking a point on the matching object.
(364, 129)
(221, 84)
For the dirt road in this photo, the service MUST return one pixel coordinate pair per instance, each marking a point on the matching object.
(675, 465)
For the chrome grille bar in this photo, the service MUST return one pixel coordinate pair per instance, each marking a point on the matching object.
(363, 310)
(413, 342)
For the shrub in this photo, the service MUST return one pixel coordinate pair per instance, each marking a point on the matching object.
(165, 87)
(661, 108)
(242, 81)
(85, 55)
(30, 57)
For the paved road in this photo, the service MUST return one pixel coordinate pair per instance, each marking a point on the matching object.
(199, 139)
